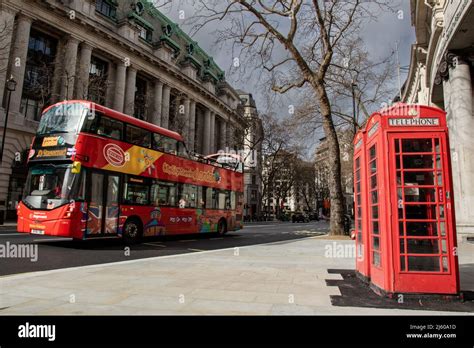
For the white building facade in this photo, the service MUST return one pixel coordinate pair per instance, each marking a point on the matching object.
(441, 74)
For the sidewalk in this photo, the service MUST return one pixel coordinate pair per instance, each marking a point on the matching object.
(279, 278)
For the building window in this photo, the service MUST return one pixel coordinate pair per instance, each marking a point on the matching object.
(144, 33)
(97, 81)
(107, 8)
(39, 69)
(254, 179)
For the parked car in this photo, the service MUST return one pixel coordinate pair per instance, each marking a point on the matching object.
(299, 217)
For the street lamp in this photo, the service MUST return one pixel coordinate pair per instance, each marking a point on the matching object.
(354, 86)
(11, 86)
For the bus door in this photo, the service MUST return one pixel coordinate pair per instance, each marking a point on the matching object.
(103, 205)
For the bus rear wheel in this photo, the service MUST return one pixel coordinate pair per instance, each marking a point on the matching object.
(132, 231)
(222, 227)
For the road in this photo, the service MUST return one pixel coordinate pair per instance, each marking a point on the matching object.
(56, 253)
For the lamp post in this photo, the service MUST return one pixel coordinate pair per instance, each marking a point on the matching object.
(11, 86)
(354, 86)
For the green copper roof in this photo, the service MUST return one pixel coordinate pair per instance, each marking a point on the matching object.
(198, 57)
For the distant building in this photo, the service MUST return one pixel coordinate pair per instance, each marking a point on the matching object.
(253, 138)
(441, 74)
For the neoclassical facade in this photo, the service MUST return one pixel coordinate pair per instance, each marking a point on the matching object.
(125, 55)
(441, 74)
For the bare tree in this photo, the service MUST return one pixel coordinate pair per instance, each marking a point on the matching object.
(295, 42)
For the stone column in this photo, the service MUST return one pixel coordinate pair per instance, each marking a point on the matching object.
(192, 125)
(157, 103)
(7, 21)
(120, 78)
(186, 102)
(130, 87)
(223, 134)
(207, 132)
(110, 92)
(82, 80)
(18, 59)
(69, 72)
(459, 99)
(212, 138)
(165, 106)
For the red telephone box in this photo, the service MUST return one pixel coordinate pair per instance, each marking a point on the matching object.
(404, 209)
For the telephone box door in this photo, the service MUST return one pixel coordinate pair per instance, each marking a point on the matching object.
(422, 222)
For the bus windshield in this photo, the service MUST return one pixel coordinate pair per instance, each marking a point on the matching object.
(50, 186)
(62, 118)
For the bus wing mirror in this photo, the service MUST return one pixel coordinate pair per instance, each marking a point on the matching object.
(76, 167)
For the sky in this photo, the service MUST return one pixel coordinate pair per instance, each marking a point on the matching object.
(379, 37)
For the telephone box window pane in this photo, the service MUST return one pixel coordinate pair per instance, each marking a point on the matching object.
(420, 211)
(422, 246)
(397, 146)
(401, 232)
(357, 174)
(398, 162)
(417, 161)
(375, 227)
(375, 212)
(376, 258)
(417, 145)
(376, 243)
(415, 194)
(357, 162)
(358, 186)
(373, 182)
(442, 228)
(374, 197)
(441, 211)
(358, 199)
(359, 211)
(439, 178)
(438, 162)
(445, 264)
(372, 152)
(422, 228)
(373, 166)
(437, 146)
(444, 248)
(418, 178)
(359, 225)
(402, 263)
(423, 263)
(402, 246)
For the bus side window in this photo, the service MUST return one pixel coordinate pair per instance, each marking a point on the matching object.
(201, 197)
(170, 145)
(158, 143)
(90, 124)
(155, 194)
(110, 128)
(232, 200)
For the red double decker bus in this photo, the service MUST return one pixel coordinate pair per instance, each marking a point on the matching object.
(95, 172)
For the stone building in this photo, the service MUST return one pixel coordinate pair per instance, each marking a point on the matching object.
(441, 74)
(252, 153)
(125, 55)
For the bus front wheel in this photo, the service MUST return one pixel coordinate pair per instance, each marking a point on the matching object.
(222, 227)
(132, 231)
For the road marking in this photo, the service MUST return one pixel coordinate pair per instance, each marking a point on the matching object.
(200, 250)
(155, 244)
(216, 238)
(187, 240)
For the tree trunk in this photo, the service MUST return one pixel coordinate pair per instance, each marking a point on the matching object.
(336, 226)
